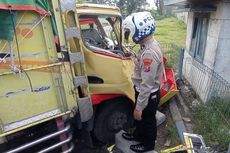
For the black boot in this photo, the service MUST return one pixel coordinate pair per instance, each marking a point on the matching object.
(140, 148)
(128, 136)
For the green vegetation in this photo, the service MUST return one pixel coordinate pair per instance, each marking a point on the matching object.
(171, 34)
(167, 136)
(212, 121)
(172, 134)
(171, 31)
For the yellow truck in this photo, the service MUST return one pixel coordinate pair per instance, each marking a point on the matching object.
(63, 65)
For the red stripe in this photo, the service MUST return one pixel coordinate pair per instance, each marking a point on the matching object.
(87, 21)
(98, 98)
(63, 136)
(24, 7)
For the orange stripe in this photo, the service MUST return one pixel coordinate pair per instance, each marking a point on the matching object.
(29, 64)
(26, 62)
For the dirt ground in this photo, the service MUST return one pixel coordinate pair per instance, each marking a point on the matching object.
(167, 134)
(187, 99)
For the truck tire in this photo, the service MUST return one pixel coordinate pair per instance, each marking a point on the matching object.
(112, 116)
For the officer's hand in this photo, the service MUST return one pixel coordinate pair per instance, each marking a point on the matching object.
(137, 115)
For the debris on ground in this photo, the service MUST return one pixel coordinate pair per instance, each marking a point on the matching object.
(167, 143)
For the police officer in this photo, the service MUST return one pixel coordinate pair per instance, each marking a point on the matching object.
(146, 78)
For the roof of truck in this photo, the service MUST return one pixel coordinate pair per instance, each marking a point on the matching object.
(98, 9)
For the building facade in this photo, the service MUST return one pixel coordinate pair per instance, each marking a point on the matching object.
(207, 54)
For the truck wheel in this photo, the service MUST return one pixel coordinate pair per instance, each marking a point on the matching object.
(112, 116)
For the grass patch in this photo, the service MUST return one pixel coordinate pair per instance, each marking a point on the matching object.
(172, 53)
(167, 131)
(171, 31)
(172, 134)
(212, 122)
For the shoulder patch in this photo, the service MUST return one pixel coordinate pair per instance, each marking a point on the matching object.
(147, 62)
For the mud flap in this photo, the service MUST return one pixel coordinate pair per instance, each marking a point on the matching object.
(85, 108)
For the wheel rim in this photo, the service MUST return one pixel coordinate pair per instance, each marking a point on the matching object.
(117, 121)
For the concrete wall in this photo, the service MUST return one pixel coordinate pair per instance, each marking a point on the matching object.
(183, 16)
(212, 40)
(198, 78)
(222, 58)
(187, 57)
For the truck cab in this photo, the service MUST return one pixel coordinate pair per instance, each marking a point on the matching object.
(109, 68)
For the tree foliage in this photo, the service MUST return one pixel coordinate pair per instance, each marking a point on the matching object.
(160, 6)
(135, 5)
(127, 6)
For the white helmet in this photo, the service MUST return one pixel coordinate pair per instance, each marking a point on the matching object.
(140, 25)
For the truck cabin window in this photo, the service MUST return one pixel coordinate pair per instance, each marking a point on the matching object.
(98, 33)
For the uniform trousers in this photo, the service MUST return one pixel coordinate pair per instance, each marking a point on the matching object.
(146, 128)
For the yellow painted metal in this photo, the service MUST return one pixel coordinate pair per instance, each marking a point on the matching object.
(110, 148)
(118, 30)
(98, 9)
(174, 149)
(52, 52)
(116, 74)
(188, 144)
(38, 58)
(74, 45)
(69, 86)
(66, 67)
(168, 96)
